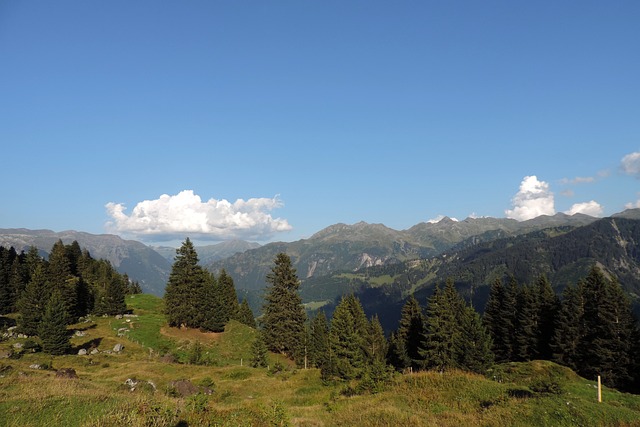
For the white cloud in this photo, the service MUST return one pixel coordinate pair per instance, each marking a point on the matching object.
(631, 164)
(440, 218)
(532, 200)
(591, 208)
(186, 215)
(578, 180)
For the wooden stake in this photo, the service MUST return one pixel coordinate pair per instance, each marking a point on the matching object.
(599, 390)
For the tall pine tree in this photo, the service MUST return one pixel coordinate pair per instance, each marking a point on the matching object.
(53, 328)
(411, 332)
(283, 315)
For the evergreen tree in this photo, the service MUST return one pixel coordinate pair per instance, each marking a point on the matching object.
(377, 345)
(31, 305)
(53, 328)
(228, 296)
(319, 340)
(347, 343)
(609, 328)
(548, 304)
(569, 327)
(215, 312)
(476, 355)
(245, 314)
(283, 314)
(259, 352)
(7, 257)
(443, 344)
(61, 279)
(186, 291)
(397, 353)
(115, 296)
(527, 327)
(411, 332)
(499, 319)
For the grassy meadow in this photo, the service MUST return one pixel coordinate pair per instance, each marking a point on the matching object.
(537, 393)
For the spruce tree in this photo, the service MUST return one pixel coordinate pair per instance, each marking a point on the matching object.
(61, 279)
(377, 345)
(609, 328)
(569, 327)
(411, 331)
(443, 344)
(215, 312)
(346, 343)
(397, 353)
(228, 296)
(318, 340)
(186, 291)
(259, 352)
(527, 326)
(500, 319)
(283, 316)
(245, 314)
(31, 305)
(548, 304)
(476, 355)
(53, 328)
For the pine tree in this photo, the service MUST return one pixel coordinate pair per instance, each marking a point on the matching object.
(397, 353)
(259, 352)
(476, 355)
(411, 332)
(283, 314)
(527, 326)
(215, 312)
(499, 319)
(245, 314)
(319, 340)
(228, 296)
(186, 291)
(7, 257)
(53, 328)
(569, 328)
(377, 344)
(31, 305)
(443, 344)
(548, 304)
(609, 328)
(61, 279)
(346, 343)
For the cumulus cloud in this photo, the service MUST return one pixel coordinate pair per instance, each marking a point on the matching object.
(532, 200)
(631, 164)
(633, 205)
(186, 215)
(591, 208)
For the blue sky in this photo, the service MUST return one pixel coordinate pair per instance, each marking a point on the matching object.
(269, 121)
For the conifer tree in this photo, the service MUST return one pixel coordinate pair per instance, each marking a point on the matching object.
(259, 352)
(61, 279)
(245, 314)
(7, 257)
(476, 355)
(397, 353)
(283, 314)
(527, 326)
(214, 318)
(605, 348)
(548, 304)
(377, 345)
(228, 296)
(186, 291)
(53, 328)
(499, 319)
(346, 343)
(319, 340)
(31, 305)
(569, 327)
(411, 332)
(443, 344)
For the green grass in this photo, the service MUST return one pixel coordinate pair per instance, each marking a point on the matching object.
(536, 393)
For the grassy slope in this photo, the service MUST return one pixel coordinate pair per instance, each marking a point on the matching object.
(526, 394)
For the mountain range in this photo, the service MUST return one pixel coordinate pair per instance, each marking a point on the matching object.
(384, 265)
